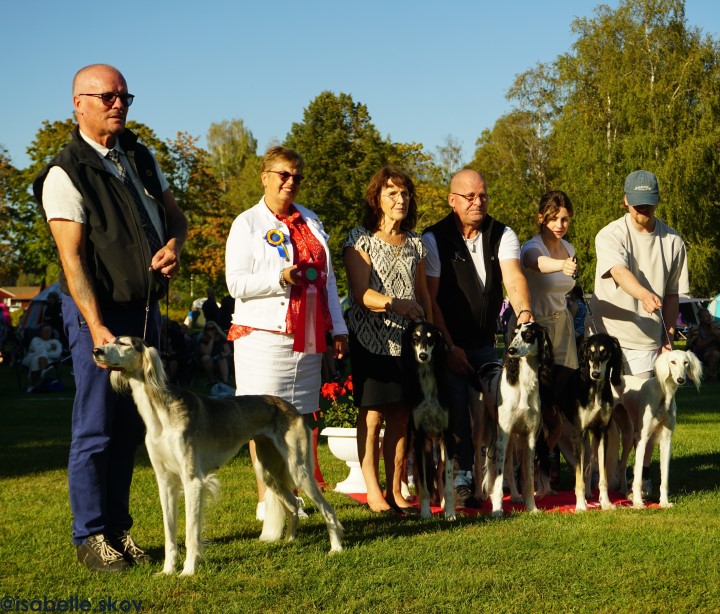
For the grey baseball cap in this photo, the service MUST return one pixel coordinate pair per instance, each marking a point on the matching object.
(641, 188)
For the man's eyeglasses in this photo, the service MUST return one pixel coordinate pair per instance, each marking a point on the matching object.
(109, 98)
(284, 176)
(403, 195)
(471, 198)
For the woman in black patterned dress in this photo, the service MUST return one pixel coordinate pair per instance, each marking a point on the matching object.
(385, 263)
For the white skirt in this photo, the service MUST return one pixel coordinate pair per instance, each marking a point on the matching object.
(265, 363)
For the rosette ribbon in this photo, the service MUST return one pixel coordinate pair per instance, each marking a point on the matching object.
(310, 332)
(276, 238)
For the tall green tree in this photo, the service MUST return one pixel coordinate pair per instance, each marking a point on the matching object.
(642, 91)
(639, 89)
(342, 150)
(234, 161)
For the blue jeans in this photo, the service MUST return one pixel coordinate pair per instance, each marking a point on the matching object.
(106, 427)
(460, 391)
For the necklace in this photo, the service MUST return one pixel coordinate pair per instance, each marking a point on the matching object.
(472, 243)
(388, 240)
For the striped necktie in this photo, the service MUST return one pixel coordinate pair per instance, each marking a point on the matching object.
(149, 228)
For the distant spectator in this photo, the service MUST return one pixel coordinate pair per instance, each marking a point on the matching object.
(53, 316)
(43, 350)
(173, 349)
(214, 351)
(704, 341)
(210, 307)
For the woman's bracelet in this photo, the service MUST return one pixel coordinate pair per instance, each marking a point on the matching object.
(522, 311)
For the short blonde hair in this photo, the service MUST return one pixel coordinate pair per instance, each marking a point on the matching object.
(286, 154)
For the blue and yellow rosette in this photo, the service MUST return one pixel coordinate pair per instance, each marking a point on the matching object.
(276, 238)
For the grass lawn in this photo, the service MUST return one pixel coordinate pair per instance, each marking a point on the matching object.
(624, 560)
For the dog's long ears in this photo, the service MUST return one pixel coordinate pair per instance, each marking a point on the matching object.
(694, 369)
(547, 360)
(153, 368)
(616, 366)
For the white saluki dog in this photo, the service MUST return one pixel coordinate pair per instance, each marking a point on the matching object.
(516, 392)
(658, 412)
(189, 436)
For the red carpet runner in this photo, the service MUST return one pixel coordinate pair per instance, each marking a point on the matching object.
(563, 502)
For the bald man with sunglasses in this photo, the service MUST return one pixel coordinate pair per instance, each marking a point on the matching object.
(119, 234)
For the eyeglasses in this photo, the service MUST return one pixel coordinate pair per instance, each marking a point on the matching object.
(471, 198)
(403, 195)
(284, 176)
(109, 98)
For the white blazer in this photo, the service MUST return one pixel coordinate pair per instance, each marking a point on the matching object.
(252, 270)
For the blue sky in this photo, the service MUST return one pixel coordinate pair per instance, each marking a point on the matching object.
(425, 70)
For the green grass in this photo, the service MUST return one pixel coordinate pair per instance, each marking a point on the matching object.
(624, 560)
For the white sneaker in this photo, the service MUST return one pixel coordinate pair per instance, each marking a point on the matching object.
(301, 512)
(260, 511)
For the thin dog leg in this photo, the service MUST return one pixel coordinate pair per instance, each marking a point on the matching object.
(193, 520)
(510, 474)
(665, 442)
(497, 485)
(578, 449)
(421, 473)
(637, 499)
(529, 474)
(169, 488)
(446, 460)
(602, 468)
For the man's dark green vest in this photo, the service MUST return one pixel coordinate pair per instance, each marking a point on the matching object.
(470, 312)
(117, 251)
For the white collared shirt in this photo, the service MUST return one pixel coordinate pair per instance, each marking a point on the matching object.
(62, 200)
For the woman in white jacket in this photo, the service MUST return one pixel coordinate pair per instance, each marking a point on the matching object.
(279, 271)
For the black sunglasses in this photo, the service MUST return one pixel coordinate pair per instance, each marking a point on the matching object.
(284, 176)
(109, 98)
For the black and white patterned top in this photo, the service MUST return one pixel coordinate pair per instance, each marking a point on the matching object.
(392, 272)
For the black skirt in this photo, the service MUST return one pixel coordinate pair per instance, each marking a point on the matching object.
(377, 379)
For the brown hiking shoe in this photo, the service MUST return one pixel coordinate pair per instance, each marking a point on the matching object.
(98, 554)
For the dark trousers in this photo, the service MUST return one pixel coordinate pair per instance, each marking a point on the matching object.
(106, 427)
(460, 391)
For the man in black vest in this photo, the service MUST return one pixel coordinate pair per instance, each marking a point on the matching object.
(119, 233)
(470, 255)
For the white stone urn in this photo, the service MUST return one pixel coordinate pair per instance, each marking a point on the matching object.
(342, 442)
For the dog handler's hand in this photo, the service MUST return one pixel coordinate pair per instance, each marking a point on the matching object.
(407, 308)
(101, 335)
(651, 302)
(458, 362)
(166, 261)
(341, 346)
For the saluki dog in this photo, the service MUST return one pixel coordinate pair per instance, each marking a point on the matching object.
(513, 395)
(424, 361)
(658, 414)
(189, 436)
(586, 399)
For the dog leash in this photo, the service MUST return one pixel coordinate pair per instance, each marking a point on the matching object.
(665, 330)
(147, 306)
(584, 300)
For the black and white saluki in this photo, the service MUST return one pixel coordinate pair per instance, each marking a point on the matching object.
(586, 398)
(424, 362)
(512, 393)
(189, 436)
